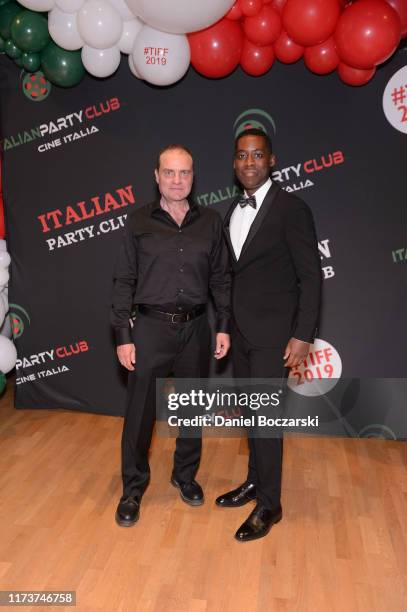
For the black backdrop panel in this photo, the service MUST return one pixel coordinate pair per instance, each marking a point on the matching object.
(77, 161)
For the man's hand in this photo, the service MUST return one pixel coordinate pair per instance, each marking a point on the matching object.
(126, 354)
(295, 352)
(222, 345)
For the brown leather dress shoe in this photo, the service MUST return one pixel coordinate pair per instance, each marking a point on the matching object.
(128, 511)
(258, 523)
(238, 497)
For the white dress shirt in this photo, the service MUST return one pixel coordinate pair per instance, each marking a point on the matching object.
(242, 219)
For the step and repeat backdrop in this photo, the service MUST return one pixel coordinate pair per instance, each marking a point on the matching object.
(75, 161)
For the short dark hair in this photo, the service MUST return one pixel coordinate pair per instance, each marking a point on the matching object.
(173, 147)
(255, 132)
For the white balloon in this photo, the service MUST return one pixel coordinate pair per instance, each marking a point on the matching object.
(180, 16)
(130, 31)
(101, 62)
(132, 67)
(5, 329)
(8, 355)
(99, 24)
(4, 277)
(167, 59)
(69, 6)
(3, 245)
(4, 259)
(122, 8)
(38, 5)
(4, 299)
(63, 29)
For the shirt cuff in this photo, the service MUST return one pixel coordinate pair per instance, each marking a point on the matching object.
(223, 326)
(123, 336)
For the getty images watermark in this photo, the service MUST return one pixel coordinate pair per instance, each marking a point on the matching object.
(258, 405)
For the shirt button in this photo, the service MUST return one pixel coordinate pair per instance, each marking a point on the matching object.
(181, 269)
(179, 231)
(180, 250)
(179, 307)
(181, 291)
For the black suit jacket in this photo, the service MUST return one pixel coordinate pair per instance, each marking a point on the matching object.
(277, 279)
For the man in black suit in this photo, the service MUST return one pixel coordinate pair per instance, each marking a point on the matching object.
(275, 301)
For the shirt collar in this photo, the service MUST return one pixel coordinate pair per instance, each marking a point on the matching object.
(156, 208)
(261, 192)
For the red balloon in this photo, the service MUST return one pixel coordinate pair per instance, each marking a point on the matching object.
(216, 51)
(310, 22)
(235, 12)
(256, 60)
(287, 50)
(368, 33)
(264, 28)
(250, 8)
(355, 76)
(400, 6)
(278, 5)
(322, 58)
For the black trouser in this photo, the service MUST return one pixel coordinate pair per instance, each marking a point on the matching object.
(161, 348)
(266, 454)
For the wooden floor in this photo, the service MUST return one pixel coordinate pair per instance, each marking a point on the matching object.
(341, 547)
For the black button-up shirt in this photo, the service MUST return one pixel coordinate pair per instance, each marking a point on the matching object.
(171, 267)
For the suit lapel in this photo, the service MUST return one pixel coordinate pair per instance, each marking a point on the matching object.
(264, 209)
(226, 225)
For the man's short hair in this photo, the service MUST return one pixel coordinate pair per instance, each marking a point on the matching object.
(173, 147)
(255, 132)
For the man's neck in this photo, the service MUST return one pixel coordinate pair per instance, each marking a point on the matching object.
(251, 192)
(174, 205)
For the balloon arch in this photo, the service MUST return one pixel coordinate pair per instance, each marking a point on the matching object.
(66, 38)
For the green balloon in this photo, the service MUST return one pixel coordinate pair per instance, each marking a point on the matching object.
(3, 2)
(12, 50)
(29, 31)
(2, 45)
(31, 61)
(2, 382)
(62, 67)
(7, 14)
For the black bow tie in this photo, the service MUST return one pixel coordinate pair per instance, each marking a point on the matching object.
(251, 201)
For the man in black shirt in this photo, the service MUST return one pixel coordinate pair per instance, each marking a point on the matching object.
(171, 258)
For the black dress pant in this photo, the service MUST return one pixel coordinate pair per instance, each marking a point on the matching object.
(162, 347)
(265, 454)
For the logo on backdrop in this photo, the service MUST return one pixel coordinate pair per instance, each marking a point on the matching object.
(395, 100)
(18, 315)
(399, 255)
(64, 130)
(50, 362)
(36, 87)
(82, 211)
(319, 372)
(325, 253)
(254, 118)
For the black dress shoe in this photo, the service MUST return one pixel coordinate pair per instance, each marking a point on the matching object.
(128, 511)
(191, 492)
(258, 523)
(238, 497)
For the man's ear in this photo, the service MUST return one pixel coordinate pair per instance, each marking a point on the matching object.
(272, 160)
(156, 175)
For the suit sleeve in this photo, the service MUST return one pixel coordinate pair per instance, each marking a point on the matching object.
(303, 245)
(220, 278)
(125, 282)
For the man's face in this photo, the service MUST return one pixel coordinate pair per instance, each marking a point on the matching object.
(175, 175)
(252, 162)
